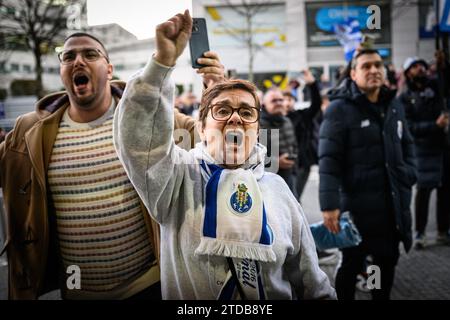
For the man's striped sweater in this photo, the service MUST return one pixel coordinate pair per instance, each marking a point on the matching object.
(100, 224)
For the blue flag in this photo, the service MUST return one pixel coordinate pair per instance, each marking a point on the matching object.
(349, 36)
(445, 18)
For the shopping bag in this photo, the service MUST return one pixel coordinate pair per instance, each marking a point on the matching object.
(348, 236)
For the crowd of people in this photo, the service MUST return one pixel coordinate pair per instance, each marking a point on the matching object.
(95, 178)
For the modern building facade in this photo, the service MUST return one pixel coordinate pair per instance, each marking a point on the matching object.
(287, 36)
(303, 26)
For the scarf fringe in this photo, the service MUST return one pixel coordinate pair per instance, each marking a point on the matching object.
(232, 249)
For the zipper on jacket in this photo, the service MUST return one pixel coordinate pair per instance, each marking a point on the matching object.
(23, 190)
(29, 239)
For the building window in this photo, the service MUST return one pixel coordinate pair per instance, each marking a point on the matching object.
(3, 67)
(26, 68)
(52, 70)
(14, 67)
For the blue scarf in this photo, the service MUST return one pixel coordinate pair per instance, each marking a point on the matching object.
(235, 223)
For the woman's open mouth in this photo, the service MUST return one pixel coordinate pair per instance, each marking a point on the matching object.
(234, 137)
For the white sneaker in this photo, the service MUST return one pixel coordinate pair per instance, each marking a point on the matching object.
(420, 241)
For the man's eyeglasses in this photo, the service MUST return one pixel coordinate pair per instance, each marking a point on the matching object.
(223, 112)
(89, 54)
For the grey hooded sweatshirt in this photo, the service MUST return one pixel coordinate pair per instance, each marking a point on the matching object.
(170, 183)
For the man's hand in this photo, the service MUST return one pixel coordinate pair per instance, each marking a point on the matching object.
(213, 71)
(443, 121)
(331, 220)
(308, 76)
(172, 37)
(284, 162)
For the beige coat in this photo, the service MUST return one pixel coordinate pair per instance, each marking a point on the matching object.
(30, 243)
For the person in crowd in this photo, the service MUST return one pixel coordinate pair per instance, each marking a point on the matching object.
(178, 103)
(317, 121)
(391, 77)
(366, 167)
(289, 102)
(428, 121)
(228, 229)
(189, 103)
(293, 87)
(303, 122)
(279, 133)
(68, 200)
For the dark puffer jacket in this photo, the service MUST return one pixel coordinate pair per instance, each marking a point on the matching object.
(303, 122)
(422, 108)
(366, 162)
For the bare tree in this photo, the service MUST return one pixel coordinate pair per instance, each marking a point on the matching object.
(5, 54)
(36, 24)
(248, 10)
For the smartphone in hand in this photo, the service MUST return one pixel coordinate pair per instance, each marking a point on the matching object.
(198, 43)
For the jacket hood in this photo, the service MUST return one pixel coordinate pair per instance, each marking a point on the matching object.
(348, 90)
(54, 101)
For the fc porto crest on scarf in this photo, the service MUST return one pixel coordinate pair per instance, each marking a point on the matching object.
(234, 221)
(240, 200)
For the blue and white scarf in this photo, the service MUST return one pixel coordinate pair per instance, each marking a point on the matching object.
(235, 221)
(248, 273)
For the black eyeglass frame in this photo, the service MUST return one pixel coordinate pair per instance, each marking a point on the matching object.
(83, 56)
(235, 110)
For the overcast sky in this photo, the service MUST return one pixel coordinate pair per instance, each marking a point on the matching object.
(137, 16)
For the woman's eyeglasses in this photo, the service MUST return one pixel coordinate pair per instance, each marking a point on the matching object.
(223, 112)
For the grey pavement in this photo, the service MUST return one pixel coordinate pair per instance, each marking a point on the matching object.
(420, 274)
